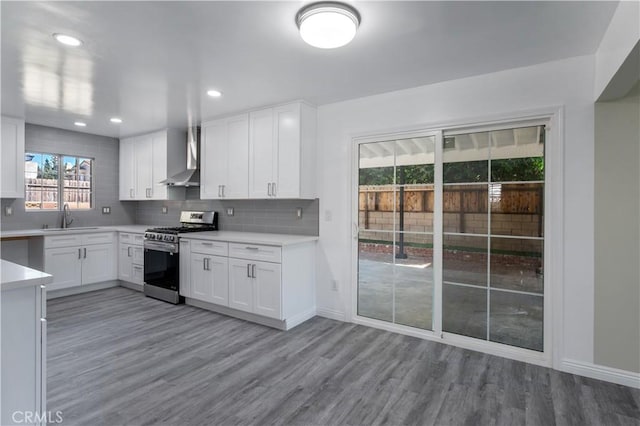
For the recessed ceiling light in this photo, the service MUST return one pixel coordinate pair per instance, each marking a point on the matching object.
(214, 93)
(328, 25)
(67, 40)
(80, 124)
(116, 120)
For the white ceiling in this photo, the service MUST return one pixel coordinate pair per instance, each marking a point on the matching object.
(152, 62)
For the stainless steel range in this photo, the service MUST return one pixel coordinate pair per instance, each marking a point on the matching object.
(162, 254)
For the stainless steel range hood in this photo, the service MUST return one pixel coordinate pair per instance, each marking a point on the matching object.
(190, 176)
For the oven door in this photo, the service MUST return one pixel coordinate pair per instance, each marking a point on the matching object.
(161, 265)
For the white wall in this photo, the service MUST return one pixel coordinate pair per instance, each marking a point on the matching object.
(617, 233)
(619, 40)
(568, 83)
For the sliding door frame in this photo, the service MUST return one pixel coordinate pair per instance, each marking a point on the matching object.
(552, 119)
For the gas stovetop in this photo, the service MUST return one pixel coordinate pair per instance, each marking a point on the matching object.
(191, 222)
(182, 229)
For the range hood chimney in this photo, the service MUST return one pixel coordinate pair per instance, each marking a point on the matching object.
(191, 176)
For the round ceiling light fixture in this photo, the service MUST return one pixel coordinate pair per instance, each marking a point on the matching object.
(116, 120)
(80, 124)
(67, 40)
(328, 25)
(214, 93)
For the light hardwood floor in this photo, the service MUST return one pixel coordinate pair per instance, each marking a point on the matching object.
(118, 358)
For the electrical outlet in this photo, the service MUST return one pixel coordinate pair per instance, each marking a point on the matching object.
(165, 209)
(334, 285)
(229, 211)
(106, 210)
(299, 212)
(8, 211)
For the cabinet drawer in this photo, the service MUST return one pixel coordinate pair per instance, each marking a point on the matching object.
(137, 274)
(62, 241)
(255, 252)
(214, 248)
(138, 255)
(135, 239)
(103, 238)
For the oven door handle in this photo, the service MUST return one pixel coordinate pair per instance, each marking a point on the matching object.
(169, 248)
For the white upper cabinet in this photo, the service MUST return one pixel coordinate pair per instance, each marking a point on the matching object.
(127, 169)
(147, 160)
(224, 148)
(282, 152)
(269, 153)
(12, 158)
(263, 153)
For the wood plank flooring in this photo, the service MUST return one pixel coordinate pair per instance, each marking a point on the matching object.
(118, 358)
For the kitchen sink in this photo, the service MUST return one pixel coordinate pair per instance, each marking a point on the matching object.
(79, 228)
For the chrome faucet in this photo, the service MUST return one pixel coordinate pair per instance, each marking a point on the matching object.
(66, 216)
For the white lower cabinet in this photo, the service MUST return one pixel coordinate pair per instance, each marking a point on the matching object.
(24, 354)
(131, 258)
(256, 287)
(210, 278)
(97, 263)
(277, 283)
(267, 290)
(64, 263)
(240, 285)
(76, 260)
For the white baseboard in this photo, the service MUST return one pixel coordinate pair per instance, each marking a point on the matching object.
(300, 318)
(601, 372)
(331, 314)
(131, 286)
(70, 291)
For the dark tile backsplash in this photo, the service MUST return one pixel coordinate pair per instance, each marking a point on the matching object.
(272, 216)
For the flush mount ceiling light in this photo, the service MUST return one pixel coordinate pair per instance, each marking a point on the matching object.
(67, 40)
(116, 120)
(328, 25)
(214, 93)
(80, 124)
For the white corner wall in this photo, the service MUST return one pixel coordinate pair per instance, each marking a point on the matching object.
(617, 233)
(622, 35)
(567, 83)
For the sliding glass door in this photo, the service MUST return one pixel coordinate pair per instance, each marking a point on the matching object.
(395, 238)
(488, 205)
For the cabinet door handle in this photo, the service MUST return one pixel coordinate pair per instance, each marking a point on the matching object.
(219, 190)
(269, 189)
(207, 244)
(223, 186)
(252, 248)
(129, 251)
(273, 189)
(79, 253)
(253, 271)
(204, 263)
(248, 270)
(85, 252)
(131, 194)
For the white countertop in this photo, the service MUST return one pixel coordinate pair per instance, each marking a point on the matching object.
(250, 238)
(134, 229)
(229, 236)
(16, 276)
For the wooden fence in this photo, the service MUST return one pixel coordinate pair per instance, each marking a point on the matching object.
(516, 209)
(43, 193)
